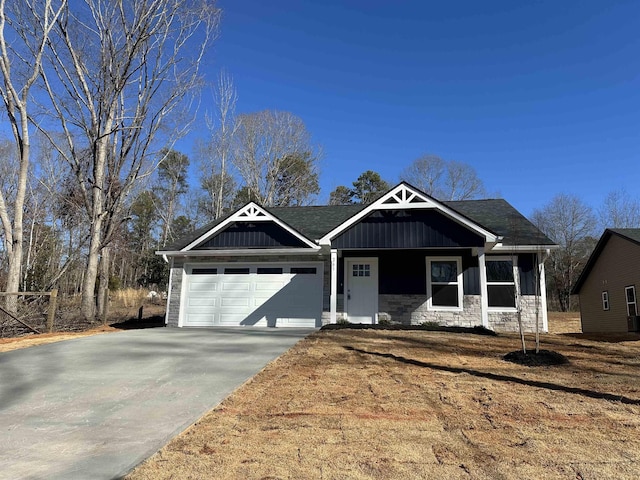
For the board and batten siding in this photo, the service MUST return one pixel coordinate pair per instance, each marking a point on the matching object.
(617, 267)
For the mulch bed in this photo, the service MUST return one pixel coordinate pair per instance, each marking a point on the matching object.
(477, 330)
(532, 359)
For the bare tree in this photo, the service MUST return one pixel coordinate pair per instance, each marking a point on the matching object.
(171, 185)
(25, 27)
(426, 173)
(270, 146)
(117, 76)
(215, 166)
(444, 179)
(570, 223)
(619, 210)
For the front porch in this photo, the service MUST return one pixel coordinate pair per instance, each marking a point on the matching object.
(451, 287)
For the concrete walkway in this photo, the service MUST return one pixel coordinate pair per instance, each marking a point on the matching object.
(95, 407)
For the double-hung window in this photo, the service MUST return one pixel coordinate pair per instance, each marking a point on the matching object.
(444, 283)
(501, 284)
(605, 300)
(632, 304)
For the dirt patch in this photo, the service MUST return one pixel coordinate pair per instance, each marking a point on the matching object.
(564, 322)
(120, 319)
(370, 404)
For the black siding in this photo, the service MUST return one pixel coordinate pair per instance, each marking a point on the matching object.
(252, 235)
(404, 272)
(407, 229)
(527, 271)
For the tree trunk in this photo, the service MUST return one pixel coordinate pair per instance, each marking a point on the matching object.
(16, 254)
(103, 288)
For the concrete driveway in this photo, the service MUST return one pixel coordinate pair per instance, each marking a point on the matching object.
(94, 407)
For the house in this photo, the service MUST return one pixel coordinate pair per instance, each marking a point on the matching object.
(405, 258)
(608, 285)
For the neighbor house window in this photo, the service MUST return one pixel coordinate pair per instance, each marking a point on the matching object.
(630, 293)
(444, 283)
(605, 300)
(501, 285)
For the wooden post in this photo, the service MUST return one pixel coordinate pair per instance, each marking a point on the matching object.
(140, 313)
(51, 314)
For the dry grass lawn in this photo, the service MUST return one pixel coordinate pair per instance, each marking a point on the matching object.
(365, 404)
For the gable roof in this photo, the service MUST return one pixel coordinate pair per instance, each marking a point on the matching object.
(630, 234)
(494, 218)
(405, 196)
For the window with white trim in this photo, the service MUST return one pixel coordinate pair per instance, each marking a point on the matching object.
(444, 283)
(501, 284)
(605, 300)
(632, 304)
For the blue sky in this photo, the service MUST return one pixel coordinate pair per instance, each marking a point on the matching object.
(540, 97)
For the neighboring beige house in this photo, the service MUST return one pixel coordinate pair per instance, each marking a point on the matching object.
(608, 286)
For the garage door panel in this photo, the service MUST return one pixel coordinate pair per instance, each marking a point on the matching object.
(235, 302)
(257, 298)
(234, 286)
(202, 287)
(203, 302)
(201, 320)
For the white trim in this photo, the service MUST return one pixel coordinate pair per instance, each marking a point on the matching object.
(543, 290)
(404, 197)
(252, 212)
(605, 300)
(499, 247)
(484, 291)
(459, 282)
(334, 287)
(516, 278)
(243, 251)
(635, 299)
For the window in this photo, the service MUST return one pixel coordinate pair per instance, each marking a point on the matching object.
(361, 270)
(630, 293)
(237, 271)
(204, 271)
(501, 285)
(269, 270)
(444, 283)
(605, 300)
(303, 270)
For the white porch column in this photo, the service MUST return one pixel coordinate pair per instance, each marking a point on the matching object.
(543, 291)
(334, 286)
(484, 296)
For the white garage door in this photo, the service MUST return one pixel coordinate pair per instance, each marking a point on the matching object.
(273, 295)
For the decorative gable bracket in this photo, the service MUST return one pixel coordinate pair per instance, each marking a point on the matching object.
(251, 212)
(404, 196)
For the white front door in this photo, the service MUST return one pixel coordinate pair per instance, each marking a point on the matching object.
(361, 289)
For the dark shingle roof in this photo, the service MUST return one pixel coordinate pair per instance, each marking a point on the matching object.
(501, 218)
(631, 234)
(495, 215)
